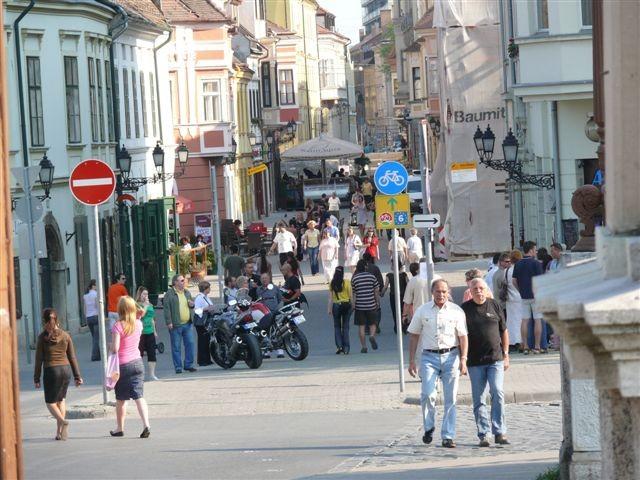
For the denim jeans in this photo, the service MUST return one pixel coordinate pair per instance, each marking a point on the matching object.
(447, 368)
(341, 325)
(92, 323)
(481, 377)
(313, 259)
(179, 334)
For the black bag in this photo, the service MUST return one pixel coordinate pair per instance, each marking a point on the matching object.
(503, 293)
(200, 321)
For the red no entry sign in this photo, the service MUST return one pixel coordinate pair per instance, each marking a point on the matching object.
(92, 182)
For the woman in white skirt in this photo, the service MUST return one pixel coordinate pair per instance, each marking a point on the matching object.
(352, 246)
(513, 304)
(329, 252)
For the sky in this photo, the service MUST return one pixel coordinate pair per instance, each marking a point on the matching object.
(348, 16)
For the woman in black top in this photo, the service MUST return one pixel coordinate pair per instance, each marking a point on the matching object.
(390, 284)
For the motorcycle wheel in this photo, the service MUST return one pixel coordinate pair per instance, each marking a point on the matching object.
(296, 345)
(220, 353)
(253, 355)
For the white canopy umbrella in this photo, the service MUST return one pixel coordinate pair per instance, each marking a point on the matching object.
(322, 147)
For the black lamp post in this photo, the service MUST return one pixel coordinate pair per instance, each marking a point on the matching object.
(158, 157)
(123, 160)
(234, 148)
(46, 174)
(488, 141)
(252, 139)
(183, 155)
(510, 151)
(485, 142)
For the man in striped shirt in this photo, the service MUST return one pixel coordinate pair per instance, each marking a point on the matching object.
(366, 298)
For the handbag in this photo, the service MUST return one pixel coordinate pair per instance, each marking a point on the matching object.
(201, 320)
(503, 293)
(112, 374)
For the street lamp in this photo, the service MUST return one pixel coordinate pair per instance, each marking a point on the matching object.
(269, 139)
(183, 155)
(477, 140)
(252, 139)
(124, 162)
(46, 174)
(234, 148)
(510, 151)
(488, 141)
(158, 157)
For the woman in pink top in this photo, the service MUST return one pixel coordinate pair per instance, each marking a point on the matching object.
(126, 338)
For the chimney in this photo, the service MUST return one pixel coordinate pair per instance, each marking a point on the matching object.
(385, 17)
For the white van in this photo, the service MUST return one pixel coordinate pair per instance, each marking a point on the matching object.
(414, 189)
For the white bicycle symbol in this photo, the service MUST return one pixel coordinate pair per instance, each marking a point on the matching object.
(391, 176)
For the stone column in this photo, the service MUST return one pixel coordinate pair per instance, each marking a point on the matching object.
(596, 303)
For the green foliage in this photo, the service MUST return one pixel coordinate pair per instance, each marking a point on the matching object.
(551, 474)
(211, 262)
(387, 48)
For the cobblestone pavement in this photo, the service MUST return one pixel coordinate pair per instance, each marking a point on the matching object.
(535, 428)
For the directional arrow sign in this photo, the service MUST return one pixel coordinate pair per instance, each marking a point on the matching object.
(431, 220)
(392, 202)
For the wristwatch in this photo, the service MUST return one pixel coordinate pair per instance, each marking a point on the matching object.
(506, 354)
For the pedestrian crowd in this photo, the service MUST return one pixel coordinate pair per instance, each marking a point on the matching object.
(497, 316)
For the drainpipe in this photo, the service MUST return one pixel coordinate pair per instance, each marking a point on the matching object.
(26, 185)
(23, 123)
(306, 72)
(556, 171)
(155, 66)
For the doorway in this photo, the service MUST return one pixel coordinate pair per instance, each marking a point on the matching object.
(53, 272)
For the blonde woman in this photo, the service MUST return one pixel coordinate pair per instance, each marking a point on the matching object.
(352, 246)
(126, 334)
(149, 332)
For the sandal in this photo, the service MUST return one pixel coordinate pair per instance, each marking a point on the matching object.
(64, 433)
(526, 351)
(535, 351)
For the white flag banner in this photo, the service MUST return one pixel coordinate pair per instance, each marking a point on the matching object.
(477, 221)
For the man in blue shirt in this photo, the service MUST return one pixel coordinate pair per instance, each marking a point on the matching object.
(523, 273)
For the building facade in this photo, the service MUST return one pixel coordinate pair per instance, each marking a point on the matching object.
(548, 110)
(336, 79)
(74, 118)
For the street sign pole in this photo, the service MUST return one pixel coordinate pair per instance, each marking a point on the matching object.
(100, 291)
(92, 183)
(396, 290)
(215, 223)
(426, 204)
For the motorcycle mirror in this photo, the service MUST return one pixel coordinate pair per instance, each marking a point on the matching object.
(270, 286)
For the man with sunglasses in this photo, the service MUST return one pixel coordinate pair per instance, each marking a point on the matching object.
(116, 290)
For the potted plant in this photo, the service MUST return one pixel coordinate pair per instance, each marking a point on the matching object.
(211, 263)
(197, 271)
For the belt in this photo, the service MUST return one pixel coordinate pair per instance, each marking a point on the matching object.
(441, 351)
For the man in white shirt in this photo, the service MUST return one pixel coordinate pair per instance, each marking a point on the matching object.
(284, 242)
(493, 268)
(443, 328)
(414, 246)
(334, 205)
(402, 249)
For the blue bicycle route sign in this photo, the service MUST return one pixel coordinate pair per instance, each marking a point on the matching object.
(391, 178)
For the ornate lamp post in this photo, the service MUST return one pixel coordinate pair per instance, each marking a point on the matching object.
(46, 175)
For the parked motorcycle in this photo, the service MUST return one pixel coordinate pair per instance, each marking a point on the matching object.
(282, 333)
(232, 339)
